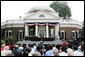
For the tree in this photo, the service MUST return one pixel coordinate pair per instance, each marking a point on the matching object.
(62, 8)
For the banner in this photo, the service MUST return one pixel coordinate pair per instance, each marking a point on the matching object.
(30, 24)
(42, 24)
(25, 30)
(53, 24)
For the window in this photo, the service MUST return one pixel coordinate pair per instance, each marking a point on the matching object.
(73, 34)
(9, 33)
(41, 15)
(20, 35)
(63, 34)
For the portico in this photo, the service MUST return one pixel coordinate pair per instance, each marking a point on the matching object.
(42, 29)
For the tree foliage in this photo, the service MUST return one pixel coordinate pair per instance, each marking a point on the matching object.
(62, 8)
(3, 42)
(11, 38)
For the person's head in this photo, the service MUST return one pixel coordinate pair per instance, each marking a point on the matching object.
(75, 47)
(28, 50)
(14, 43)
(27, 45)
(16, 46)
(3, 45)
(49, 47)
(34, 44)
(55, 51)
(31, 45)
(69, 46)
(6, 48)
(54, 45)
(39, 48)
(21, 48)
(70, 52)
(82, 47)
(63, 48)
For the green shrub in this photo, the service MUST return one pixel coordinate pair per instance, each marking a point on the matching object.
(3, 42)
(11, 39)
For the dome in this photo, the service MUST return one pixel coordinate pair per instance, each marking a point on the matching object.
(45, 8)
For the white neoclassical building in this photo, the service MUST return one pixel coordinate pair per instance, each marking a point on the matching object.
(41, 21)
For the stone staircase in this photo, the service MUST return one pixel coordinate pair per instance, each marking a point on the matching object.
(38, 42)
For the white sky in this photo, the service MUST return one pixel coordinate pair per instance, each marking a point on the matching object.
(13, 9)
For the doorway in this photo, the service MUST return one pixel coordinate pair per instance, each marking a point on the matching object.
(42, 32)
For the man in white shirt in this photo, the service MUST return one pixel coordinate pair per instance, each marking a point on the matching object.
(76, 52)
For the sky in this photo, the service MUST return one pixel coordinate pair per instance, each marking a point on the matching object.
(13, 9)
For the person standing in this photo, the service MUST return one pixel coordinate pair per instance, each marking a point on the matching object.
(76, 52)
(62, 52)
(50, 51)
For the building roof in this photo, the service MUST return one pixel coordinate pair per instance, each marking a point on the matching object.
(47, 8)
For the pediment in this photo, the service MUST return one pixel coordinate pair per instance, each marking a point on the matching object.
(40, 15)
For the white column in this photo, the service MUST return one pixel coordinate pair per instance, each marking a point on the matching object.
(36, 30)
(78, 34)
(26, 30)
(47, 30)
(57, 31)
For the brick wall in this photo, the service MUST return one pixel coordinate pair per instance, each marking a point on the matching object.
(68, 31)
(15, 30)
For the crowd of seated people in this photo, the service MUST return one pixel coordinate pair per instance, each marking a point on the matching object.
(42, 50)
